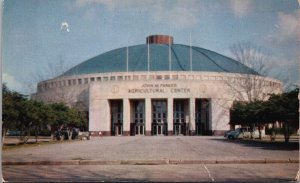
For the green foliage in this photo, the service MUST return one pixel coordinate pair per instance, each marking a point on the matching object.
(63, 116)
(278, 108)
(285, 107)
(280, 131)
(13, 105)
(25, 115)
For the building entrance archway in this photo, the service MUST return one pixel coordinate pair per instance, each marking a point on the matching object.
(159, 117)
(179, 116)
(202, 117)
(138, 117)
(116, 115)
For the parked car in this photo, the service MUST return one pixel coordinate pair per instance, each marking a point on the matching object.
(62, 134)
(14, 133)
(84, 136)
(76, 134)
(243, 132)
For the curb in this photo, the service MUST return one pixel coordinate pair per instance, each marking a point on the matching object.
(147, 162)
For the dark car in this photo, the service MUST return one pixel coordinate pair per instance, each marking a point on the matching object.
(63, 134)
(14, 133)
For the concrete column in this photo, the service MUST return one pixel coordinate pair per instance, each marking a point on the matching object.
(219, 117)
(187, 116)
(191, 125)
(148, 116)
(170, 116)
(126, 117)
(99, 117)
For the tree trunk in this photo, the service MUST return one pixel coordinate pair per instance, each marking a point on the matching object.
(36, 135)
(251, 132)
(4, 131)
(273, 134)
(26, 138)
(53, 129)
(52, 136)
(70, 133)
(286, 132)
(22, 135)
(259, 132)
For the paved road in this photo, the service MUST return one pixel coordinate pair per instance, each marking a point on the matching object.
(153, 148)
(155, 173)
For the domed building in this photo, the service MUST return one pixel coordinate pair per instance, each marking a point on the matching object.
(157, 88)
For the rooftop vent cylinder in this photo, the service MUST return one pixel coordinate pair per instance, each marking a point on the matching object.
(159, 39)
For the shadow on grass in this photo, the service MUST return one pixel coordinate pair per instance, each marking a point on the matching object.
(267, 145)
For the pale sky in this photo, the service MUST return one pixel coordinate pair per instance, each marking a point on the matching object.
(42, 33)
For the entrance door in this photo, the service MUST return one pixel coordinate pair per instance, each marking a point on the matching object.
(159, 117)
(116, 108)
(202, 117)
(139, 117)
(179, 117)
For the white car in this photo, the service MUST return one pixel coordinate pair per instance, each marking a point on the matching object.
(84, 135)
(243, 132)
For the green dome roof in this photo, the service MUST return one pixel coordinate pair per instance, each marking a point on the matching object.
(202, 60)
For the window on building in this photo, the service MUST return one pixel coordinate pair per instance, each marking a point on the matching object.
(151, 77)
(175, 77)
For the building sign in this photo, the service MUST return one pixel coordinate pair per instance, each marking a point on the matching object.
(159, 88)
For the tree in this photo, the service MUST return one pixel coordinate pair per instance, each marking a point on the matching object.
(54, 94)
(252, 86)
(248, 114)
(238, 113)
(286, 110)
(251, 55)
(278, 108)
(64, 117)
(75, 119)
(58, 116)
(37, 116)
(13, 105)
(49, 71)
(25, 115)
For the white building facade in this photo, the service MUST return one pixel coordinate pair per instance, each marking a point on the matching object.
(157, 89)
